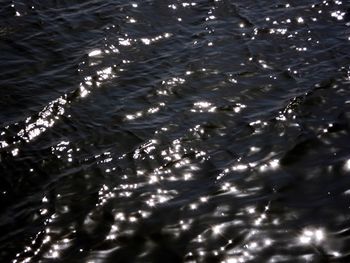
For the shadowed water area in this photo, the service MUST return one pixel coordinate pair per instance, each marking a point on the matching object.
(174, 131)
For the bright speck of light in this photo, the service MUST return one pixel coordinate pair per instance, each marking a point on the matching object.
(347, 165)
(319, 235)
(217, 229)
(305, 239)
(300, 20)
(95, 52)
(251, 210)
(43, 211)
(253, 245)
(187, 176)
(55, 254)
(336, 254)
(202, 104)
(274, 163)
(338, 15)
(254, 149)
(15, 152)
(267, 242)
(111, 237)
(124, 42)
(132, 219)
(203, 199)
(3, 144)
(146, 41)
(83, 91)
(46, 239)
(309, 236)
(240, 167)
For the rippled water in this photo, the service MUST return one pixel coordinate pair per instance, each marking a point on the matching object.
(173, 131)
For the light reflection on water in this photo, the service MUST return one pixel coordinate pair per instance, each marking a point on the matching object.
(200, 139)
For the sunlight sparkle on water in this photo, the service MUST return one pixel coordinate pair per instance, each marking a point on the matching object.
(95, 52)
(217, 229)
(300, 20)
(146, 41)
(124, 42)
(310, 236)
(338, 15)
(347, 165)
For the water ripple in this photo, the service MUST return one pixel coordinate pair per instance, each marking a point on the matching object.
(174, 131)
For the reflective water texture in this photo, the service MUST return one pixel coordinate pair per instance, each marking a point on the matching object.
(174, 131)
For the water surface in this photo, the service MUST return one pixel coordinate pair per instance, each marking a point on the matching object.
(174, 131)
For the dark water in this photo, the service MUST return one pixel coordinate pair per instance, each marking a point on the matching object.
(171, 131)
